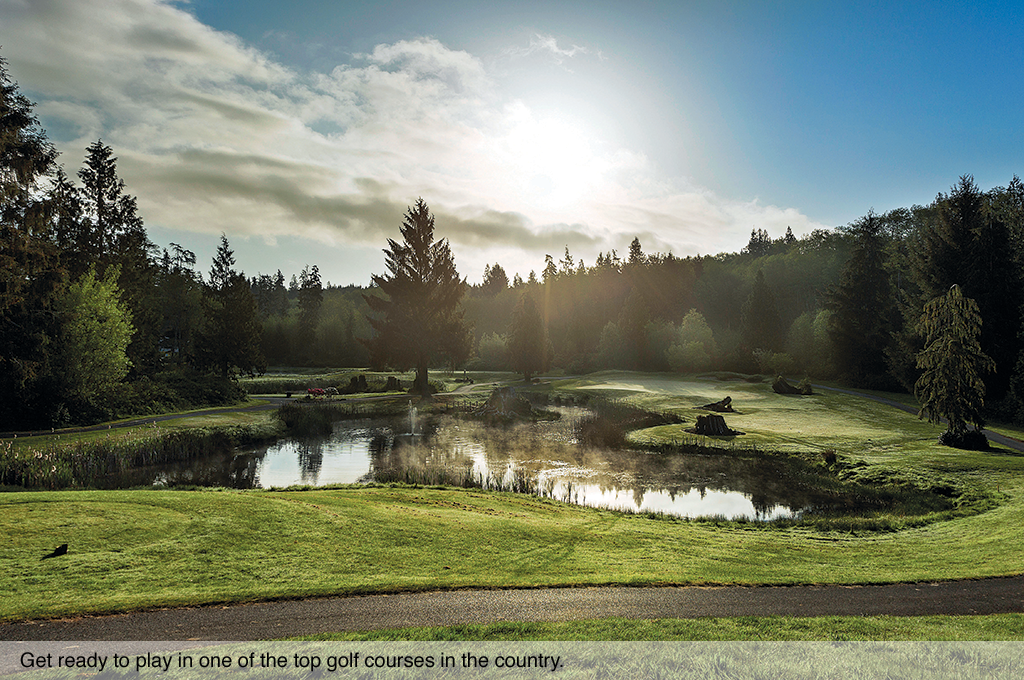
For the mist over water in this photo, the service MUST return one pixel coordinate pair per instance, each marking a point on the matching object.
(543, 456)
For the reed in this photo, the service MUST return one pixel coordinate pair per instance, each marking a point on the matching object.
(611, 420)
(315, 418)
(85, 464)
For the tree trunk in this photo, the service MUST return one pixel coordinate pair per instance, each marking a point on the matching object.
(421, 385)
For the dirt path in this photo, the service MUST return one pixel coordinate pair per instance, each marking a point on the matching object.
(271, 620)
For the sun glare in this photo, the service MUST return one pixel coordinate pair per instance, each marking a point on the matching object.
(552, 160)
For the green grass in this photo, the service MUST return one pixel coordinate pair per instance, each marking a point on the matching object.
(851, 425)
(141, 549)
(767, 628)
(217, 417)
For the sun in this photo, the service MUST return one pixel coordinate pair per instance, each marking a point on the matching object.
(552, 160)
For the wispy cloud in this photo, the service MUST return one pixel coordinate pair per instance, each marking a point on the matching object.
(548, 45)
(213, 135)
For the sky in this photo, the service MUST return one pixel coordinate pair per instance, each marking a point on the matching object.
(303, 131)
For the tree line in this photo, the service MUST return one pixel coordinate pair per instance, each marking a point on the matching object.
(96, 320)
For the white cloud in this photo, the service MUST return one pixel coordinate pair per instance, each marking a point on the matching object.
(214, 136)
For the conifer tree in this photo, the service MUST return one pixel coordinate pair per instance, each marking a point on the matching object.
(31, 274)
(762, 327)
(418, 320)
(863, 307)
(969, 243)
(951, 386)
(231, 336)
(527, 341)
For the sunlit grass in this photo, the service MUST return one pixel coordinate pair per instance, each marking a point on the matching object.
(139, 549)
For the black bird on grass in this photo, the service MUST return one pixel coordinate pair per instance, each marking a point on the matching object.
(62, 550)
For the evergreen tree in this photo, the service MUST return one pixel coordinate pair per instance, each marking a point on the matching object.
(418, 319)
(181, 301)
(951, 386)
(231, 339)
(968, 243)
(863, 308)
(527, 341)
(495, 280)
(114, 235)
(550, 272)
(311, 298)
(761, 325)
(31, 275)
(636, 252)
(759, 244)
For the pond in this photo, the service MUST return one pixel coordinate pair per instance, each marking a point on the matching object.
(541, 457)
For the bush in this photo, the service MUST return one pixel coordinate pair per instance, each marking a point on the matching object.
(971, 440)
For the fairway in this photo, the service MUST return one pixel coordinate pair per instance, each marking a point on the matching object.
(849, 424)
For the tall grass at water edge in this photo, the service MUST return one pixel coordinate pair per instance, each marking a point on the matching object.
(610, 422)
(318, 417)
(84, 464)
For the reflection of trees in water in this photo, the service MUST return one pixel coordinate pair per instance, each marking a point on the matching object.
(311, 459)
(548, 447)
(227, 469)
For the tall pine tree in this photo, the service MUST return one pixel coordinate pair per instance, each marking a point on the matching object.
(863, 308)
(527, 341)
(418, 320)
(968, 243)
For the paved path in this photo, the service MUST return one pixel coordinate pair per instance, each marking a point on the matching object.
(271, 620)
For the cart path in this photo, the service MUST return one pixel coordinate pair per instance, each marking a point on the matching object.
(273, 620)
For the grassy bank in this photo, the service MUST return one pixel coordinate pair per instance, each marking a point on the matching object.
(761, 629)
(140, 549)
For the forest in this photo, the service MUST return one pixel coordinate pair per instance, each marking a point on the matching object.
(98, 322)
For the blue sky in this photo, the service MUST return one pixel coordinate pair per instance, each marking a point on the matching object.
(303, 130)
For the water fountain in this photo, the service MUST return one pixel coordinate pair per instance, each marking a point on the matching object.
(412, 420)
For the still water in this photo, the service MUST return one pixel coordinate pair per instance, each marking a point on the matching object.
(545, 454)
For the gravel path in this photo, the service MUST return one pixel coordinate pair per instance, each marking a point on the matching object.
(270, 620)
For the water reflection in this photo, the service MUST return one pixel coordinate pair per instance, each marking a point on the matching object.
(544, 453)
(542, 457)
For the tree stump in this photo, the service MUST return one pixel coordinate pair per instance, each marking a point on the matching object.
(724, 406)
(782, 386)
(712, 425)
